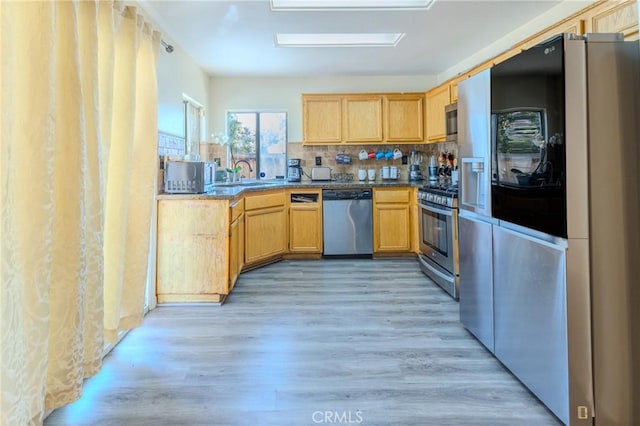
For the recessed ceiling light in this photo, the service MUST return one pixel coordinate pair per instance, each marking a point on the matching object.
(338, 40)
(349, 4)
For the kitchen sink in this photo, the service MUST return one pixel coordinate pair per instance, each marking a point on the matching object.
(246, 183)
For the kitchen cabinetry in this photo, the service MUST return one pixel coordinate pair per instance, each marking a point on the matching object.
(575, 26)
(192, 242)
(437, 99)
(305, 221)
(615, 17)
(265, 226)
(392, 220)
(415, 226)
(453, 88)
(404, 118)
(372, 118)
(599, 17)
(236, 242)
(362, 118)
(322, 119)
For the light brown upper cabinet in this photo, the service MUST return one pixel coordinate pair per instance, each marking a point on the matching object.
(404, 118)
(437, 99)
(367, 118)
(362, 118)
(602, 16)
(322, 119)
(614, 17)
(453, 87)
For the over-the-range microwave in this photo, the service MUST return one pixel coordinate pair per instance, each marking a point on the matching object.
(451, 122)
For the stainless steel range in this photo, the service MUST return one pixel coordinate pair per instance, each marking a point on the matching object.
(438, 220)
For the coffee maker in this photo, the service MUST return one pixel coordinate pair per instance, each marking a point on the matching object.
(294, 170)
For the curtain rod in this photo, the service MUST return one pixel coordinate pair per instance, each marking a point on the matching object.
(167, 46)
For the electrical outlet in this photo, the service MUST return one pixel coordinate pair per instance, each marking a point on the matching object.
(318, 161)
(405, 160)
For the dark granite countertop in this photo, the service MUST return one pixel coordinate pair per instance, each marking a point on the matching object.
(230, 192)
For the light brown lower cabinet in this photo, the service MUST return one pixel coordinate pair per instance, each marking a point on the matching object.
(192, 250)
(265, 226)
(305, 221)
(392, 220)
(236, 242)
(203, 245)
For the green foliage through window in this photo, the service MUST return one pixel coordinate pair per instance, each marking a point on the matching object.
(258, 143)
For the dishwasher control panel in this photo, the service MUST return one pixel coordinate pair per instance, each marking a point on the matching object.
(347, 194)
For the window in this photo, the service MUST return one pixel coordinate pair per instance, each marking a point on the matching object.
(193, 117)
(258, 143)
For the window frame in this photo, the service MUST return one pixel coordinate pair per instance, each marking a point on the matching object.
(257, 113)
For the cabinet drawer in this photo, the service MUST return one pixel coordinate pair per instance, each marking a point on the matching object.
(392, 195)
(260, 201)
(237, 208)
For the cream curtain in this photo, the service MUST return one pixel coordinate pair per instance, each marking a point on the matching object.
(77, 171)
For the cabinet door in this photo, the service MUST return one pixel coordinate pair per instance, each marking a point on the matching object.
(453, 89)
(362, 117)
(322, 119)
(265, 234)
(437, 99)
(404, 118)
(575, 26)
(615, 17)
(234, 246)
(305, 228)
(192, 243)
(241, 225)
(391, 228)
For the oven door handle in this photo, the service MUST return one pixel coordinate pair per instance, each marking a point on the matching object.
(437, 210)
(442, 276)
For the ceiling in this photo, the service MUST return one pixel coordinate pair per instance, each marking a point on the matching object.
(236, 38)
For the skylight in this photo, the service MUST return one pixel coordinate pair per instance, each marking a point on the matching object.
(338, 40)
(349, 4)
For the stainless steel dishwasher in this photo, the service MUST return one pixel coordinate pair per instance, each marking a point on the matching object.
(347, 221)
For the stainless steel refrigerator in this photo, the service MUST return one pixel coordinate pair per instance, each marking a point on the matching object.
(550, 198)
(475, 224)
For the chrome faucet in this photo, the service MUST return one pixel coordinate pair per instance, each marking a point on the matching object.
(243, 161)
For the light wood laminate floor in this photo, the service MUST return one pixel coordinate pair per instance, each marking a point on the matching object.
(369, 342)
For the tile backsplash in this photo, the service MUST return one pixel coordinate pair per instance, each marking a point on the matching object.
(328, 154)
(169, 144)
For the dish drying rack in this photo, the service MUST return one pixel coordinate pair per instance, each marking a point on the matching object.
(343, 177)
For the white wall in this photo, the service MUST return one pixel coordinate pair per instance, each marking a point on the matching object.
(558, 13)
(285, 94)
(178, 74)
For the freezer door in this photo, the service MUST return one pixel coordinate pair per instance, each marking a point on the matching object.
(476, 278)
(531, 315)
